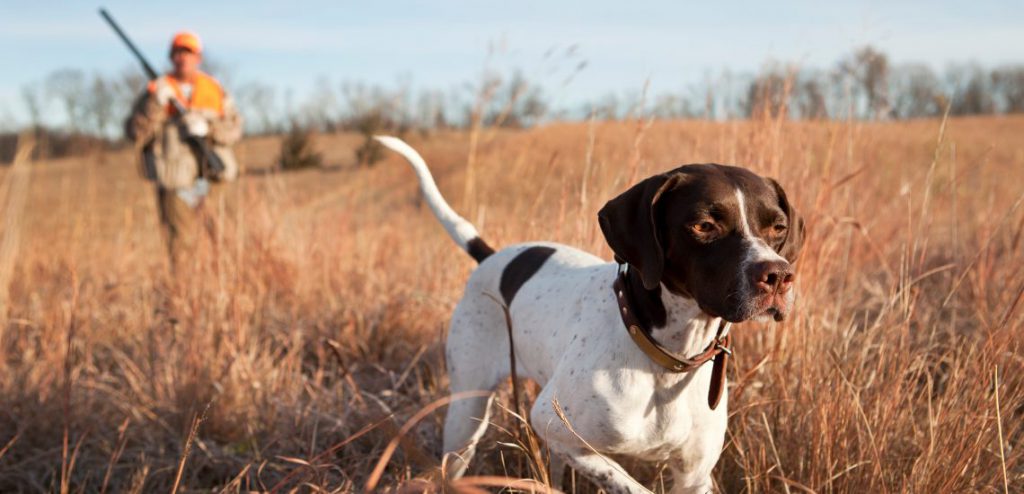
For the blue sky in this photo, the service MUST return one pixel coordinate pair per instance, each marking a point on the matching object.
(445, 44)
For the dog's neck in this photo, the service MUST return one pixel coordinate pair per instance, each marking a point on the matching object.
(674, 321)
(688, 330)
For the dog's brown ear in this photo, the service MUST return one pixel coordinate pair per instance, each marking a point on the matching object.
(794, 241)
(629, 226)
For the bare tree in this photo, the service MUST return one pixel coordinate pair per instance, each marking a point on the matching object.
(516, 103)
(972, 90)
(431, 111)
(7, 123)
(321, 110)
(32, 97)
(533, 107)
(727, 95)
(1008, 86)
(609, 107)
(99, 106)
(258, 103)
(68, 86)
(810, 98)
(384, 108)
(917, 92)
(672, 106)
(767, 95)
(869, 69)
(128, 85)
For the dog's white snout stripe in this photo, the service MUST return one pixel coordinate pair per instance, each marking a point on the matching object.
(759, 249)
(741, 204)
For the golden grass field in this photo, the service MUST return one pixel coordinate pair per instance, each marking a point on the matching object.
(309, 328)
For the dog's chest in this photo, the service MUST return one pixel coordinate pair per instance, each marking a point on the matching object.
(648, 420)
(613, 397)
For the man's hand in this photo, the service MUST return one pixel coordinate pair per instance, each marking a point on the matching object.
(196, 124)
(164, 94)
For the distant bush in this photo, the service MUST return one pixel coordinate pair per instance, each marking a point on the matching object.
(297, 150)
(370, 151)
(54, 144)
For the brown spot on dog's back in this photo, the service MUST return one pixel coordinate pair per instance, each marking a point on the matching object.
(521, 269)
(478, 249)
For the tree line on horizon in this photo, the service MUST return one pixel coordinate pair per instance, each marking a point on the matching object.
(863, 85)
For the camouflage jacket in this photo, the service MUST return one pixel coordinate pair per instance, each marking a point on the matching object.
(166, 158)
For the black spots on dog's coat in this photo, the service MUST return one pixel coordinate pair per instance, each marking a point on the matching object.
(478, 249)
(521, 269)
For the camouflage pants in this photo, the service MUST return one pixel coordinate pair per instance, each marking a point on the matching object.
(182, 225)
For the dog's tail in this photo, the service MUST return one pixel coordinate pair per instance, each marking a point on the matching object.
(462, 232)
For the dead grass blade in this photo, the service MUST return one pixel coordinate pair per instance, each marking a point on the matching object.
(999, 425)
(8, 446)
(320, 457)
(375, 475)
(526, 485)
(197, 420)
(116, 454)
(16, 186)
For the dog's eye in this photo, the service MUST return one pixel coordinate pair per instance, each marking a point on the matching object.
(779, 228)
(703, 227)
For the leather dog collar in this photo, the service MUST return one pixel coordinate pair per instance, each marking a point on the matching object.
(718, 350)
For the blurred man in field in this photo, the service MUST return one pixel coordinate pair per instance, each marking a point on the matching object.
(183, 182)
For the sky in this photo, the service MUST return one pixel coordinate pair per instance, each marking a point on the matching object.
(445, 44)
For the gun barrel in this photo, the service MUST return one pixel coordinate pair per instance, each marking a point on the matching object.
(131, 46)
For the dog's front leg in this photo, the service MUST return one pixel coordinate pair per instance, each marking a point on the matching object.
(567, 448)
(556, 472)
(603, 471)
(689, 482)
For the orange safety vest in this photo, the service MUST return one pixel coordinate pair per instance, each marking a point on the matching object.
(207, 94)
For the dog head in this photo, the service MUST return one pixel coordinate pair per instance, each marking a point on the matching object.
(721, 235)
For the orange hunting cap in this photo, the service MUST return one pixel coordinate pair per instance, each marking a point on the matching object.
(188, 41)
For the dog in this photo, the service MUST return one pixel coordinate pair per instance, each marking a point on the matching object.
(633, 351)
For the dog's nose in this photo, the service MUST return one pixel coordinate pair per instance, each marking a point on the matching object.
(773, 276)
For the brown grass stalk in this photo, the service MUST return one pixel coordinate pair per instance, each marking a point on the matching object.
(15, 191)
(378, 470)
(186, 449)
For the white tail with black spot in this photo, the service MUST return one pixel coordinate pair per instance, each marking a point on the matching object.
(462, 231)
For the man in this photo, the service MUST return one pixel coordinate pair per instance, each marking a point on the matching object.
(181, 175)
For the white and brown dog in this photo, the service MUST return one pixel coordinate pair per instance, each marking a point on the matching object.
(697, 247)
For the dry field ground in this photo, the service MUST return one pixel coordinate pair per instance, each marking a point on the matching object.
(308, 329)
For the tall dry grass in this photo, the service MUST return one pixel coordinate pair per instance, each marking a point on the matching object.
(307, 332)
